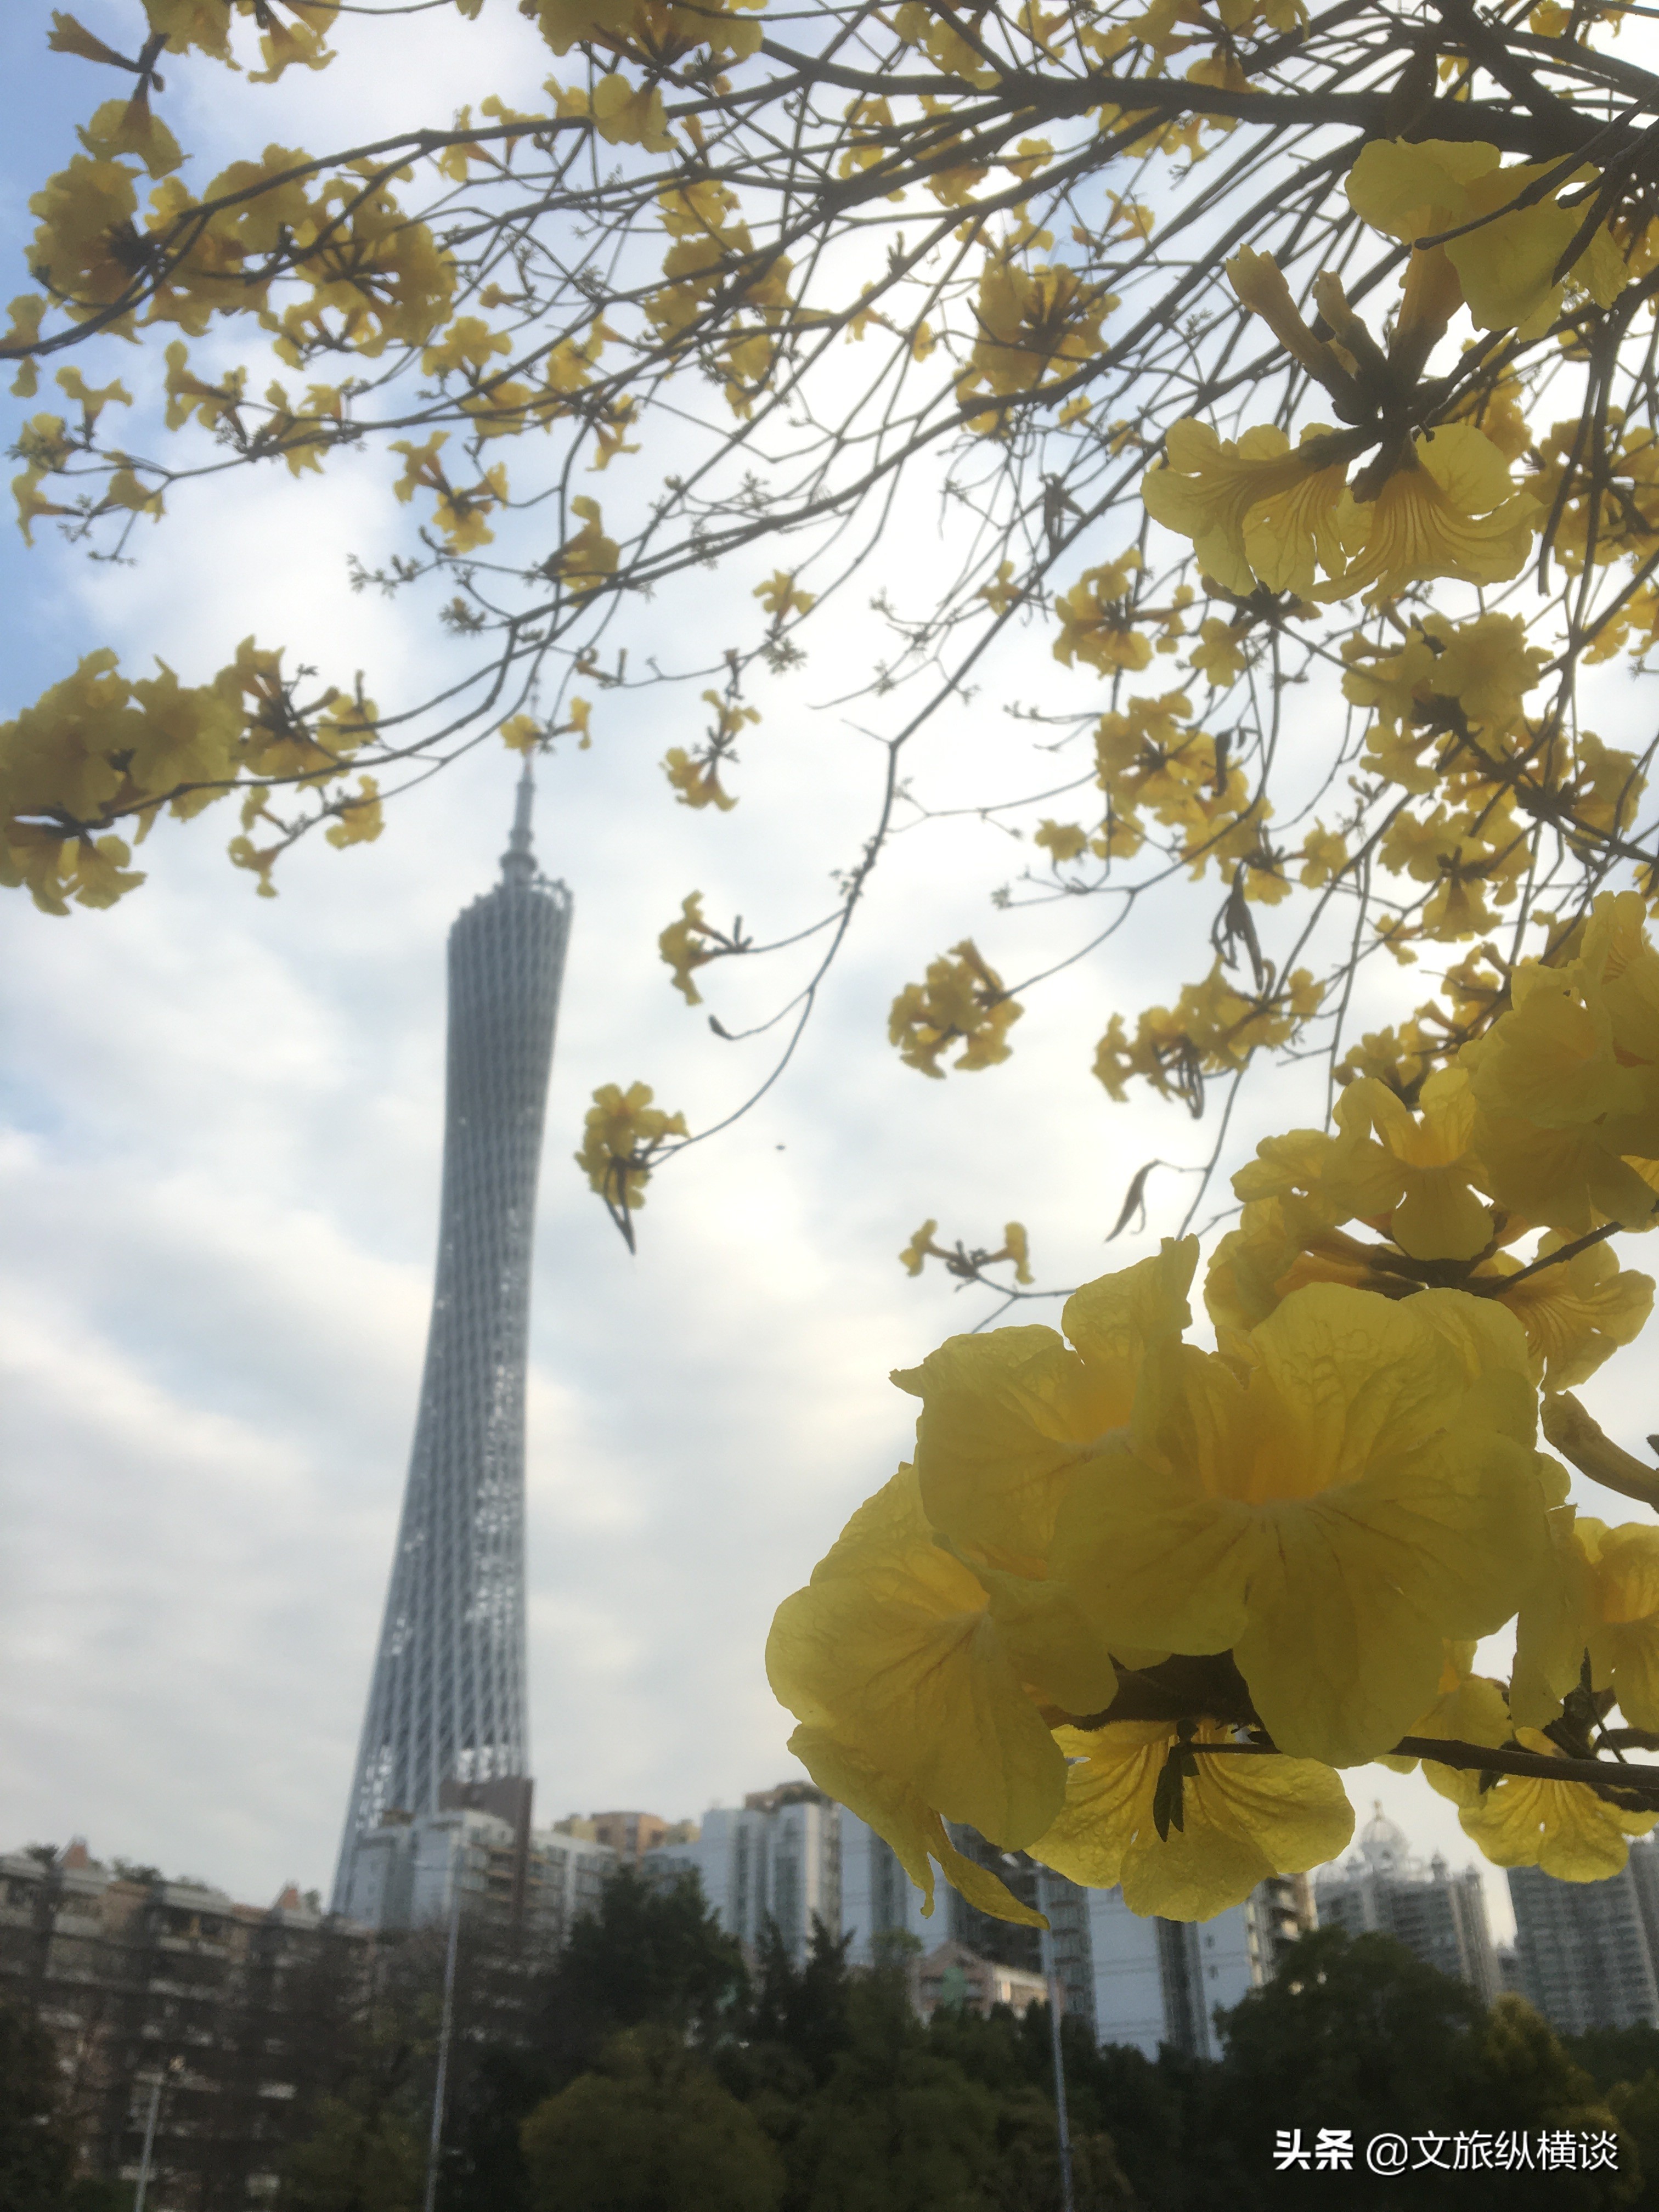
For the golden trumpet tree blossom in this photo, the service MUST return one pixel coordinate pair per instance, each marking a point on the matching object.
(1243, 1819)
(1526, 1821)
(1351, 1484)
(1257, 499)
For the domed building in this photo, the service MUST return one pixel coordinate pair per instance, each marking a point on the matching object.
(1383, 1888)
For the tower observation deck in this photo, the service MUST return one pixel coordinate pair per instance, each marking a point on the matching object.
(446, 1705)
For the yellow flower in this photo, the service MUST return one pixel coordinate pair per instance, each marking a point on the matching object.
(1009, 1417)
(1324, 856)
(623, 1133)
(631, 115)
(1065, 839)
(696, 780)
(683, 946)
(186, 735)
(1385, 1149)
(360, 820)
(1036, 326)
(1577, 1436)
(1448, 510)
(916, 1252)
(1279, 1245)
(469, 343)
(1567, 1080)
(1095, 624)
(1259, 283)
(1004, 593)
(1211, 491)
(1357, 1483)
(1241, 1818)
(1212, 1029)
(92, 871)
(779, 598)
(84, 250)
(1147, 757)
(1487, 666)
(583, 561)
(1562, 1826)
(1507, 255)
(1468, 1709)
(1575, 1313)
(26, 312)
(1624, 1638)
(1016, 1246)
(1217, 654)
(961, 1001)
(900, 1818)
(892, 1650)
(127, 127)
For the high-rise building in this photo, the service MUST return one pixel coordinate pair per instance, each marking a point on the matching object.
(1005, 1942)
(776, 1859)
(1127, 1979)
(1587, 1951)
(1157, 1982)
(446, 1729)
(879, 1902)
(1441, 1917)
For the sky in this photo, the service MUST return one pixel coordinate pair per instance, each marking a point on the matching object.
(220, 1128)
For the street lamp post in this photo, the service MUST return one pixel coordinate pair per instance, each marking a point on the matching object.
(1051, 1978)
(1051, 1975)
(435, 2143)
(173, 2066)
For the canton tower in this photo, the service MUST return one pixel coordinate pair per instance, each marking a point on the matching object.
(447, 1720)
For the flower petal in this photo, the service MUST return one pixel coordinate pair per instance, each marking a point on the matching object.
(891, 1647)
(899, 1817)
(1004, 1417)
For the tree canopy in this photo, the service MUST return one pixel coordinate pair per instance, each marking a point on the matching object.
(37, 2153)
(823, 2088)
(1283, 385)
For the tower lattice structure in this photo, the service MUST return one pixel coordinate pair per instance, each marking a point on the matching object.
(447, 1702)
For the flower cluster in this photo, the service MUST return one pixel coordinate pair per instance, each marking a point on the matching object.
(623, 1138)
(100, 746)
(1134, 1605)
(963, 1002)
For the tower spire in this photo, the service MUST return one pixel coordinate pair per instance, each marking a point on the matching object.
(518, 861)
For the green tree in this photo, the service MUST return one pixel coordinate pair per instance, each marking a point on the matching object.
(893, 2128)
(362, 2157)
(804, 2011)
(1013, 2059)
(366, 2054)
(1026, 2174)
(652, 2131)
(97, 2193)
(36, 2153)
(496, 2087)
(1615, 2054)
(1358, 2033)
(527, 2027)
(1635, 2106)
(651, 1955)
